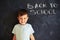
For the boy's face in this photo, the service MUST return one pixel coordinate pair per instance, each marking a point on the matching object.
(23, 19)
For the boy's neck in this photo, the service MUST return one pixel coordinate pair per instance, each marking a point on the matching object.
(22, 24)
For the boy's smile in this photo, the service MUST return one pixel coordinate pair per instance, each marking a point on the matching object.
(23, 19)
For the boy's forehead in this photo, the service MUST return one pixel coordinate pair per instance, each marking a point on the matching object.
(23, 15)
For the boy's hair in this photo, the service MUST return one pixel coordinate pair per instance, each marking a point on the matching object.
(22, 12)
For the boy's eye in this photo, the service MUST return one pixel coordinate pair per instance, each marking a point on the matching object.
(24, 18)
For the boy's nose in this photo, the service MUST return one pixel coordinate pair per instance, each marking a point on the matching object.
(22, 20)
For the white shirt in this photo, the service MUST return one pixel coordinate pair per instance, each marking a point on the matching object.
(22, 32)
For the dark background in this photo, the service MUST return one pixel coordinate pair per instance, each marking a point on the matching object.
(47, 27)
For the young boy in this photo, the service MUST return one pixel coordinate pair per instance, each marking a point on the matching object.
(23, 30)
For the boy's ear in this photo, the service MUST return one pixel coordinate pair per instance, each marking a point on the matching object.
(17, 17)
(28, 17)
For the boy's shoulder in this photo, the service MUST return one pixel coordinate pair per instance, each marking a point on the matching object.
(28, 24)
(16, 24)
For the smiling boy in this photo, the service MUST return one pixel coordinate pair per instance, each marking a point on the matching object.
(23, 30)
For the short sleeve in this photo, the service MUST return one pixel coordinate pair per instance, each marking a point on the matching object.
(31, 30)
(14, 30)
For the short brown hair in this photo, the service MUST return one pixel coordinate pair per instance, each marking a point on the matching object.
(22, 12)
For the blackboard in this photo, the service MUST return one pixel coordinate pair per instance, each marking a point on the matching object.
(45, 23)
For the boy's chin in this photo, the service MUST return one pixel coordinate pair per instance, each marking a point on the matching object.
(22, 23)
